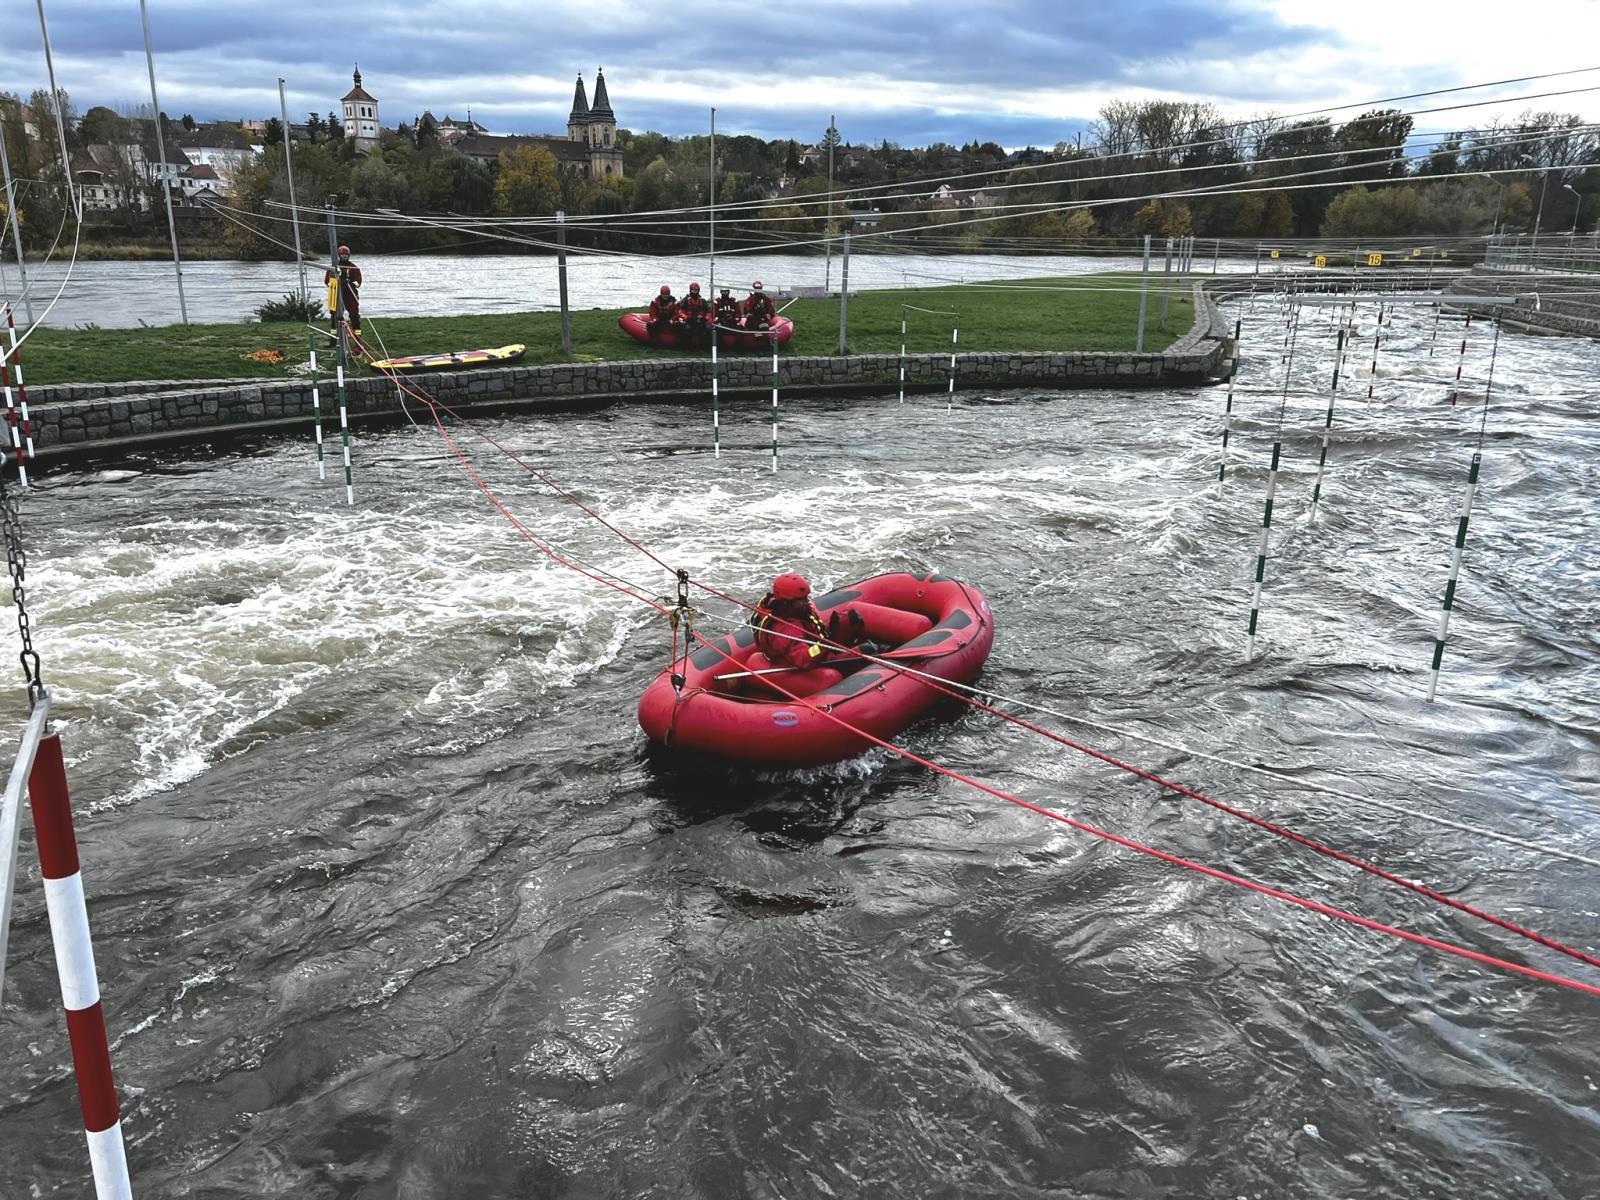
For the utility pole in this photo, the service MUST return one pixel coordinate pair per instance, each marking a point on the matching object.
(844, 295)
(161, 153)
(827, 243)
(561, 279)
(711, 279)
(1144, 294)
(294, 208)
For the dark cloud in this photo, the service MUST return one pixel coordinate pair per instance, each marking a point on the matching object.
(949, 70)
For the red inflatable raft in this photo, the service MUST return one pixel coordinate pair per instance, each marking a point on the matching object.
(637, 326)
(934, 624)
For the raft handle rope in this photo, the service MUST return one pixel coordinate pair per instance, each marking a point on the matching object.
(1240, 881)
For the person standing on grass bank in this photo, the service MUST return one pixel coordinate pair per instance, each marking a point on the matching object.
(349, 280)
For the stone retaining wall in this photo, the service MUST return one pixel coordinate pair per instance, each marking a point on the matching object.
(151, 414)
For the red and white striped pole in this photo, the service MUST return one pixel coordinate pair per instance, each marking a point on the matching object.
(17, 429)
(80, 990)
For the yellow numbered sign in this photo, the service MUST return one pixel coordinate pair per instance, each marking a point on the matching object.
(1374, 260)
(1274, 254)
(1416, 254)
(1444, 254)
(1322, 260)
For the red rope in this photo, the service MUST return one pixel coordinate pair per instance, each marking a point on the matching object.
(1176, 860)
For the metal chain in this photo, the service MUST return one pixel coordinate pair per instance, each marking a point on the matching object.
(17, 561)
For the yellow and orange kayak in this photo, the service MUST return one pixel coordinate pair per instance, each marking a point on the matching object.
(446, 362)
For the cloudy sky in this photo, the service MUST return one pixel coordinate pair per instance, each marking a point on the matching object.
(914, 71)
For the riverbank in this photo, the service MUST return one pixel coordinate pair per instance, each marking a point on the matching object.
(1086, 313)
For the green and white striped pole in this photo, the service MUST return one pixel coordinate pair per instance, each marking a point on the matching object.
(1461, 530)
(902, 354)
(716, 414)
(1327, 427)
(1233, 370)
(1455, 575)
(1266, 512)
(775, 400)
(955, 336)
(316, 400)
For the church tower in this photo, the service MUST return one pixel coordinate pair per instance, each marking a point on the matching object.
(361, 117)
(600, 132)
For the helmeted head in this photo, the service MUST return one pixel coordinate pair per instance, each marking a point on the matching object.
(791, 588)
(344, 251)
(665, 290)
(694, 289)
(725, 291)
(756, 286)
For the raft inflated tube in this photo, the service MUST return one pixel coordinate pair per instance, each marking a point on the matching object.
(937, 625)
(637, 326)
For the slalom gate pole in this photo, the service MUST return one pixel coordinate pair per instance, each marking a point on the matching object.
(1327, 426)
(1377, 342)
(1438, 310)
(11, 418)
(716, 412)
(1166, 286)
(955, 336)
(1233, 370)
(80, 990)
(1266, 513)
(1461, 530)
(774, 339)
(902, 354)
(21, 433)
(316, 400)
(1461, 360)
(339, 323)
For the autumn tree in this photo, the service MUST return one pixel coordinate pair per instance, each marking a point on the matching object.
(528, 183)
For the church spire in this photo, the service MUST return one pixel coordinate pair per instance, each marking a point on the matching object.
(580, 103)
(602, 104)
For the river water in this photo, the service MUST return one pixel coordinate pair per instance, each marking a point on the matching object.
(125, 294)
(392, 900)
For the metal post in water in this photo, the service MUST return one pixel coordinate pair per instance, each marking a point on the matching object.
(294, 207)
(1438, 311)
(955, 336)
(561, 284)
(1327, 427)
(1216, 253)
(1144, 294)
(1166, 286)
(902, 354)
(16, 228)
(1461, 360)
(844, 295)
(161, 152)
(1233, 371)
(339, 335)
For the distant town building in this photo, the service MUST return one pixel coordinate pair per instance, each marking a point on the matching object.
(222, 148)
(452, 130)
(361, 117)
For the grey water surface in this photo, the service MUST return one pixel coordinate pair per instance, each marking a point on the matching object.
(392, 899)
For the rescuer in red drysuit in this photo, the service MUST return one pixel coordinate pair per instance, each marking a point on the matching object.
(349, 283)
(758, 311)
(725, 311)
(790, 634)
(693, 311)
(663, 312)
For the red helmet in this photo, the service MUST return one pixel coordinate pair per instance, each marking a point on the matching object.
(665, 290)
(344, 251)
(694, 287)
(790, 586)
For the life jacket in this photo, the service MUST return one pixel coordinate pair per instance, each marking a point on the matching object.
(694, 306)
(776, 634)
(758, 308)
(727, 310)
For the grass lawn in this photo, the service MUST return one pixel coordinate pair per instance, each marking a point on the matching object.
(1086, 312)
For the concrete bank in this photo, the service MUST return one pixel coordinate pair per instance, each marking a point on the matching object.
(105, 419)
